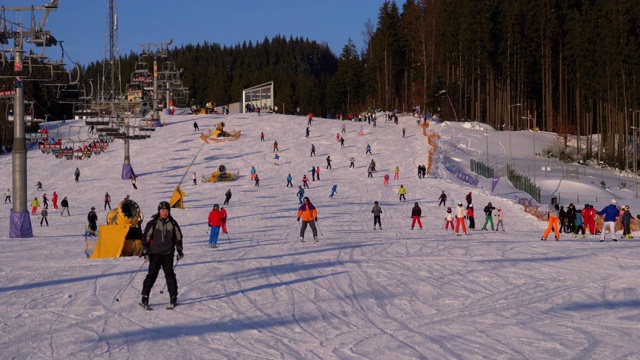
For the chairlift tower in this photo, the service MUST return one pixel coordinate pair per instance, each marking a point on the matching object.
(156, 50)
(36, 35)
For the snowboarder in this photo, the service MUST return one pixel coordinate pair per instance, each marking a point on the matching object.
(92, 217)
(34, 205)
(611, 213)
(443, 199)
(289, 178)
(7, 196)
(65, 206)
(215, 222)
(416, 213)
(77, 174)
(161, 236)
(107, 200)
(227, 197)
(554, 223)
(376, 215)
(44, 213)
(488, 216)
(334, 189)
(309, 216)
(402, 192)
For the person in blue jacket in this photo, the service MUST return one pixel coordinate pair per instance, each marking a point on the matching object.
(334, 189)
(611, 213)
(300, 194)
(289, 178)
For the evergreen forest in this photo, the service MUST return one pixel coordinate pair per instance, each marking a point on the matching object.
(566, 66)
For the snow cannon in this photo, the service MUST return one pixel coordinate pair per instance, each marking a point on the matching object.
(122, 236)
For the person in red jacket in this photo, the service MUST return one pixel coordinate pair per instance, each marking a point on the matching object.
(472, 221)
(309, 217)
(223, 220)
(54, 200)
(215, 221)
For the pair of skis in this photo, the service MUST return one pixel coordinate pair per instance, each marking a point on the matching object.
(147, 307)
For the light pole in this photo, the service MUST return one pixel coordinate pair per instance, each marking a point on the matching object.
(509, 128)
(635, 157)
(444, 92)
(486, 138)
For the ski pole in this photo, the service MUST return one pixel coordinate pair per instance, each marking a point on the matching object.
(228, 238)
(131, 280)
(318, 226)
(174, 267)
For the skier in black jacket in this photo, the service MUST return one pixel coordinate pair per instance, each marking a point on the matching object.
(92, 217)
(162, 236)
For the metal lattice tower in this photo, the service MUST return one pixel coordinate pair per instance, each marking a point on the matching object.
(111, 80)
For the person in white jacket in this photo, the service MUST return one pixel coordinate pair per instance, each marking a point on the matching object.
(460, 215)
(500, 217)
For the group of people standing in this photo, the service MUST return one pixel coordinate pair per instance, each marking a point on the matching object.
(581, 221)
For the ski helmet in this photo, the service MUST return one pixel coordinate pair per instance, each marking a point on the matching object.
(216, 206)
(164, 205)
(459, 203)
(306, 198)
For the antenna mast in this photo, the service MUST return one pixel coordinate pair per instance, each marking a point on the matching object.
(111, 81)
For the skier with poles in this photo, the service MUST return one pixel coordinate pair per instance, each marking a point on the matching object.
(416, 213)
(215, 222)
(162, 237)
(309, 216)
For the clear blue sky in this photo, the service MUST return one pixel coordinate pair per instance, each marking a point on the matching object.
(81, 23)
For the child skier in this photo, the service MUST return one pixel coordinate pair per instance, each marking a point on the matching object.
(472, 221)
(626, 223)
(448, 219)
(579, 224)
(500, 217)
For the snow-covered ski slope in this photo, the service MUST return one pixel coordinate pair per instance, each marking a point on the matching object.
(355, 294)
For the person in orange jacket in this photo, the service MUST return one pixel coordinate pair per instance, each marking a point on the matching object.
(309, 216)
(215, 221)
